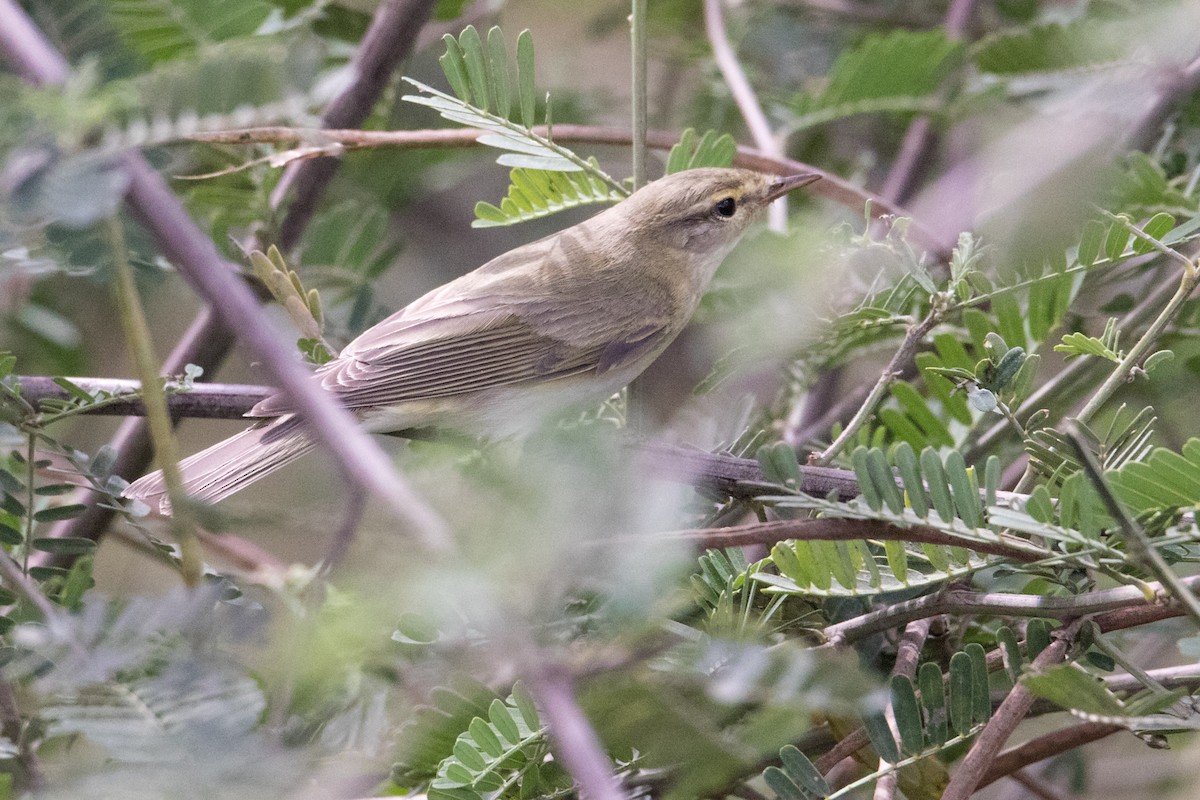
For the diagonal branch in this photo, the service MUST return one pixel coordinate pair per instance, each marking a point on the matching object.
(1010, 713)
(388, 41)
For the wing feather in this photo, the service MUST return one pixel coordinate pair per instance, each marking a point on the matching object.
(497, 327)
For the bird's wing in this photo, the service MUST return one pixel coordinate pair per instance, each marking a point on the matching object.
(498, 326)
(430, 357)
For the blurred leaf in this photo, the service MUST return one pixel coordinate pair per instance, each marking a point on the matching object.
(162, 30)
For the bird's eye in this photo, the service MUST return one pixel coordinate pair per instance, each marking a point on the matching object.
(726, 206)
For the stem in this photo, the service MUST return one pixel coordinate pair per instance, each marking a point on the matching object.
(1045, 746)
(30, 499)
(637, 46)
(1141, 549)
(1010, 713)
(1123, 371)
(1121, 374)
(908, 347)
(956, 601)
(137, 338)
(575, 743)
(744, 97)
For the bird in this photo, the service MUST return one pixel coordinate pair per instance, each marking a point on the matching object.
(561, 322)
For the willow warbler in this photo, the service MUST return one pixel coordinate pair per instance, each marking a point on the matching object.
(564, 321)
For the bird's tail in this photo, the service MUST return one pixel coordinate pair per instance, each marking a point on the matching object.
(229, 465)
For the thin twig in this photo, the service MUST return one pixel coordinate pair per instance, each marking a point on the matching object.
(637, 49)
(744, 97)
(737, 477)
(1037, 788)
(1141, 550)
(1122, 373)
(1010, 713)
(831, 187)
(389, 40)
(912, 339)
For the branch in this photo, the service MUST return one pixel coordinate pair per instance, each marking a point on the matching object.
(844, 530)
(576, 745)
(1045, 746)
(956, 601)
(744, 97)
(1010, 713)
(388, 40)
(831, 187)
(729, 475)
(902, 356)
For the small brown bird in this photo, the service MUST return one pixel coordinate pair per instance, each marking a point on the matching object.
(564, 321)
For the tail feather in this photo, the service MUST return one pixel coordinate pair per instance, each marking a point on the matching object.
(229, 465)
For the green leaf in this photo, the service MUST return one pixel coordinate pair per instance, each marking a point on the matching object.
(962, 698)
(10, 535)
(56, 513)
(498, 70)
(536, 193)
(1042, 48)
(1070, 687)
(712, 150)
(933, 699)
(982, 705)
(782, 785)
(1037, 637)
(165, 31)
(454, 67)
(800, 769)
(885, 480)
(1078, 344)
(485, 737)
(502, 720)
(65, 546)
(881, 737)
(1090, 242)
(1011, 651)
(476, 64)
(939, 488)
(905, 460)
(895, 72)
(966, 494)
(1157, 228)
(525, 73)
(908, 715)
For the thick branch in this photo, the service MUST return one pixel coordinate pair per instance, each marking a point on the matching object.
(199, 263)
(389, 39)
(730, 475)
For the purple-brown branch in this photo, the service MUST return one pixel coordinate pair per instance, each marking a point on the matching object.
(389, 39)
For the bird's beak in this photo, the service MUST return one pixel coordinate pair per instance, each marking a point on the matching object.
(784, 185)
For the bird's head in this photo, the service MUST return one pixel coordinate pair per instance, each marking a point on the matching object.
(703, 212)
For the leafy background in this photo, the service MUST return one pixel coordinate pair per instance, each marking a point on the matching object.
(1016, 487)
